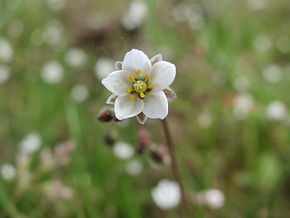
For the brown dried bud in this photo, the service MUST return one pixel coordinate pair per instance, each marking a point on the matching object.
(159, 155)
(109, 138)
(143, 139)
(106, 115)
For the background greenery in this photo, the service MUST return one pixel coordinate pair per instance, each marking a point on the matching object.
(219, 56)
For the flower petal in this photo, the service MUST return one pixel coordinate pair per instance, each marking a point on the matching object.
(156, 59)
(162, 75)
(156, 105)
(125, 108)
(137, 60)
(117, 82)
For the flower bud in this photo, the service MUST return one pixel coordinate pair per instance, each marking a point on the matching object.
(143, 140)
(106, 115)
(159, 156)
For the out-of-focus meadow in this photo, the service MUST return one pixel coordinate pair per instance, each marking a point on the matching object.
(230, 122)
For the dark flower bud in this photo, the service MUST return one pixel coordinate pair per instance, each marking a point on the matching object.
(106, 115)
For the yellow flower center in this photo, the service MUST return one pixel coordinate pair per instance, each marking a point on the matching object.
(140, 87)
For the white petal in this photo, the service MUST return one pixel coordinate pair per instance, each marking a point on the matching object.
(162, 75)
(117, 82)
(137, 60)
(111, 99)
(125, 108)
(156, 105)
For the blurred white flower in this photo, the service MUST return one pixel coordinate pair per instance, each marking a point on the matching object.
(53, 33)
(135, 16)
(123, 150)
(190, 13)
(30, 143)
(262, 43)
(276, 111)
(4, 74)
(6, 50)
(79, 93)
(56, 5)
(134, 167)
(52, 72)
(243, 104)
(257, 4)
(103, 67)
(166, 194)
(204, 119)
(241, 83)
(272, 73)
(7, 171)
(212, 198)
(75, 57)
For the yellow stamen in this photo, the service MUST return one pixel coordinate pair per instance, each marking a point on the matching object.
(131, 97)
(150, 86)
(137, 71)
(146, 77)
(132, 78)
(128, 90)
(142, 95)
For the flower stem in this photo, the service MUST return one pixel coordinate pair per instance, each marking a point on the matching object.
(174, 167)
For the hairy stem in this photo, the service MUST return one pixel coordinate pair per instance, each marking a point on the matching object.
(174, 167)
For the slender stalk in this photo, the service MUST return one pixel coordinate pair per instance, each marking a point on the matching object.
(174, 167)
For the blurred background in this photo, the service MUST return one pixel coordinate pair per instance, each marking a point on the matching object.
(230, 122)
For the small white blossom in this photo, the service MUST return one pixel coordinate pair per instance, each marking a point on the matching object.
(139, 86)
(135, 15)
(134, 167)
(103, 67)
(272, 73)
(204, 119)
(262, 43)
(52, 72)
(4, 74)
(75, 57)
(53, 33)
(243, 104)
(257, 4)
(7, 171)
(212, 198)
(6, 50)
(30, 143)
(56, 5)
(166, 194)
(123, 150)
(79, 93)
(276, 111)
(241, 83)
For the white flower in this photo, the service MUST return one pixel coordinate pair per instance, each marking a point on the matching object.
(6, 50)
(272, 73)
(276, 111)
(262, 43)
(166, 194)
(103, 67)
(75, 57)
(79, 93)
(52, 72)
(56, 5)
(241, 83)
(212, 198)
(123, 150)
(138, 86)
(7, 171)
(243, 104)
(257, 4)
(204, 119)
(53, 33)
(4, 74)
(30, 143)
(135, 15)
(134, 167)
